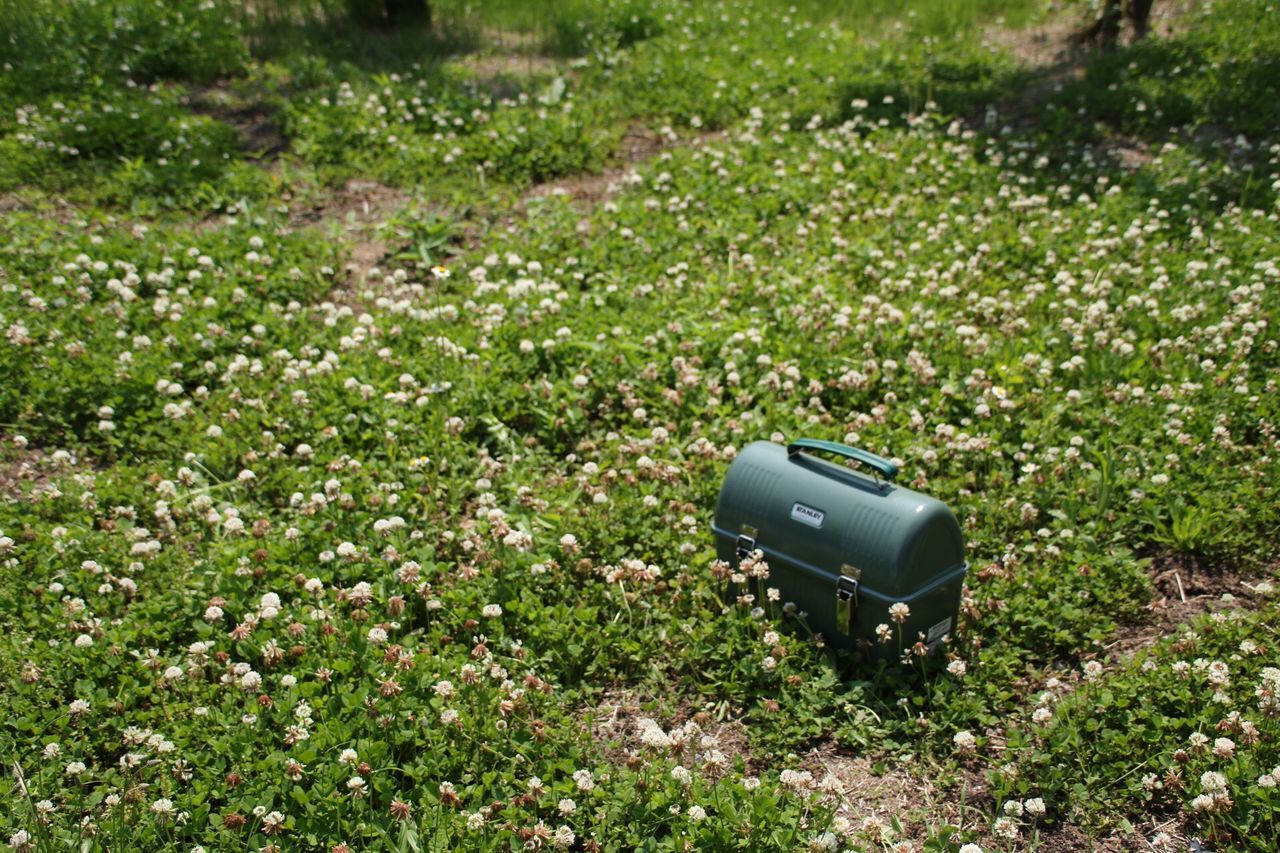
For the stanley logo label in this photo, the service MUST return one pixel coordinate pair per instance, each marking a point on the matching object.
(807, 515)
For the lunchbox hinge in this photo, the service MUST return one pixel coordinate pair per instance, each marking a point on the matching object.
(847, 597)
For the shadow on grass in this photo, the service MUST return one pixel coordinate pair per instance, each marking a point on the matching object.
(335, 43)
(1202, 102)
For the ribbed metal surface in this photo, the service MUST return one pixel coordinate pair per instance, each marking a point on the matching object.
(752, 491)
(870, 534)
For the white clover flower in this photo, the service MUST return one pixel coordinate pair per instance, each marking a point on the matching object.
(899, 612)
(348, 756)
(1005, 828)
(964, 742)
(1212, 781)
(797, 780)
(491, 611)
(563, 838)
(567, 807)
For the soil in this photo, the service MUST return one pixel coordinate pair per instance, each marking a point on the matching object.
(254, 120)
(639, 144)
(902, 790)
(357, 208)
(613, 727)
(27, 472)
(1052, 54)
(1184, 589)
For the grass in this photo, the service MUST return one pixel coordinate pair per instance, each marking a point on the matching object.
(291, 558)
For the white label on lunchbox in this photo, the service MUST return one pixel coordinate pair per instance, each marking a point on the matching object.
(938, 631)
(807, 515)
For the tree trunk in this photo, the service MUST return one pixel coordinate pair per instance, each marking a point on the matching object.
(1104, 32)
(416, 12)
(1139, 15)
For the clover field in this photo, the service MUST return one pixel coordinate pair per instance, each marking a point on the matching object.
(365, 396)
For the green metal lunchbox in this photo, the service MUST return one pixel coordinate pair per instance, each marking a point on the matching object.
(843, 547)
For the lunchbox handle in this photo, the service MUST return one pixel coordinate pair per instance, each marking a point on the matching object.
(878, 463)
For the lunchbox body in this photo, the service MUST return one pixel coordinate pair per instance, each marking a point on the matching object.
(841, 546)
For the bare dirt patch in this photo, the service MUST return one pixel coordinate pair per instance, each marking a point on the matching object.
(1053, 56)
(357, 209)
(508, 61)
(253, 119)
(1184, 589)
(28, 472)
(498, 71)
(894, 788)
(638, 144)
(1055, 39)
(586, 191)
(614, 725)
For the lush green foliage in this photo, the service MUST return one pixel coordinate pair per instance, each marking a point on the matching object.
(421, 560)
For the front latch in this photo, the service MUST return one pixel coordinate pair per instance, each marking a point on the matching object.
(746, 542)
(847, 597)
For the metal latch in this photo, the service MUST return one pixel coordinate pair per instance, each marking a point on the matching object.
(746, 541)
(847, 597)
